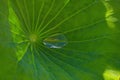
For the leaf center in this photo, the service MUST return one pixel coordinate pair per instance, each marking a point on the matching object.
(33, 38)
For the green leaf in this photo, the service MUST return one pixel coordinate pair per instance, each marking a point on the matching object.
(62, 39)
(7, 55)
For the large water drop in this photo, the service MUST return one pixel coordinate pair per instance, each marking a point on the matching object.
(55, 41)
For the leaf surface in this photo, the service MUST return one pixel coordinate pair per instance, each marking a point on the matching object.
(89, 48)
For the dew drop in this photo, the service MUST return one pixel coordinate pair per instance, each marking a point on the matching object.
(55, 41)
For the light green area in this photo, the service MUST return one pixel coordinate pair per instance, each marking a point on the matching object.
(90, 29)
(111, 75)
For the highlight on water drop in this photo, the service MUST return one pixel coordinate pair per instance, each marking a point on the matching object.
(55, 41)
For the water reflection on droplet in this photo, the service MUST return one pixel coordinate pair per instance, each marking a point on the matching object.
(55, 41)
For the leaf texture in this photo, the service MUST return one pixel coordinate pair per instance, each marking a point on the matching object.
(89, 28)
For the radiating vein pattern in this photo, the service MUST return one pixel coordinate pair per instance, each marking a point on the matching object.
(57, 38)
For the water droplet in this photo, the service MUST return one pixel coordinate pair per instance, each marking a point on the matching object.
(55, 41)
